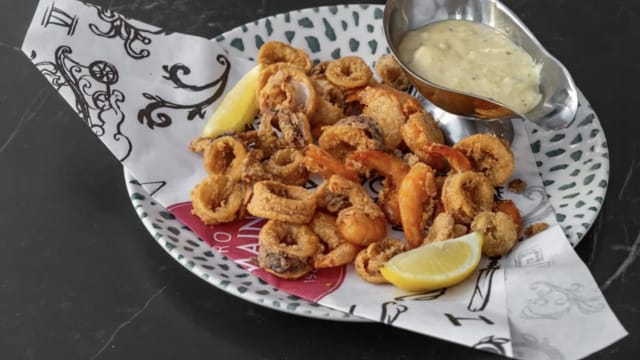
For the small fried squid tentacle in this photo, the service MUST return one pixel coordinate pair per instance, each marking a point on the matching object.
(466, 194)
(369, 261)
(217, 199)
(393, 169)
(391, 73)
(294, 131)
(276, 201)
(334, 249)
(509, 207)
(488, 155)
(361, 222)
(330, 106)
(444, 228)
(287, 250)
(416, 197)
(273, 52)
(499, 233)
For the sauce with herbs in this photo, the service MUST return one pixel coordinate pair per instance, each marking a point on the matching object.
(473, 58)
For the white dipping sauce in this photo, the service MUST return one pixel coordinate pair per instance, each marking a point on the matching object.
(473, 58)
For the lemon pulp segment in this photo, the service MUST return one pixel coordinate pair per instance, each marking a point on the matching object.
(238, 107)
(435, 265)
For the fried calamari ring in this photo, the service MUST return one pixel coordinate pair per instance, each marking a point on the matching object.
(224, 156)
(287, 165)
(282, 129)
(391, 73)
(349, 72)
(392, 168)
(350, 134)
(319, 161)
(287, 250)
(498, 231)
(488, 155)
(334, 250)
(444, 228)
(284, 87)
(273, 52)
(276, 201)
(370, 260)
(217, 199)
(389, 108)
(362, 222)
(416, 199)
(466, 194)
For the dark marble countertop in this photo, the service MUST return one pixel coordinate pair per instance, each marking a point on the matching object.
(81, 278)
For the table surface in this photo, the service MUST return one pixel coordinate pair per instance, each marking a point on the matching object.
(81, 278)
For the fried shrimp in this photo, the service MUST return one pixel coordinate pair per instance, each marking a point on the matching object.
(456, 160)
(416, 198)
(498, 231)
(360, 221)
(284, 87)
(394, 170)
(466, 194)
(488, 155)
(276, 201)
(370, 260)
(224, 156)
(420, 130)
(349, 72)
(334, 249)
(444, 228)
(351, 134)
(217, 199)
(273, 52)
(388, 107)
(287, 250)
(391, 73)
(319, 161)
(293, 128)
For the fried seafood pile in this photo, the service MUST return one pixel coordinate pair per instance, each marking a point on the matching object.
(335, 120)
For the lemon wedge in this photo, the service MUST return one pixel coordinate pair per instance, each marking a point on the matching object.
(238, 107)
(436, 265)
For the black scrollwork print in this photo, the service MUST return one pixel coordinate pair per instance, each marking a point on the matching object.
(492, 344)
(152, 117)
(120, 26)
(482, 290)
(58, 17)
(96, 101)
(391, 310)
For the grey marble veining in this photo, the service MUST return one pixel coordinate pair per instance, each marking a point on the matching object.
(80, 277)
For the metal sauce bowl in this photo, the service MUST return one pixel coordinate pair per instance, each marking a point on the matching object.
(465, 113)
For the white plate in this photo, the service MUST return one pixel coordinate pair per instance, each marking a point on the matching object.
(573, 162)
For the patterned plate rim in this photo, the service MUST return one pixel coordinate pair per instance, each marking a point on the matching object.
(332, 314)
